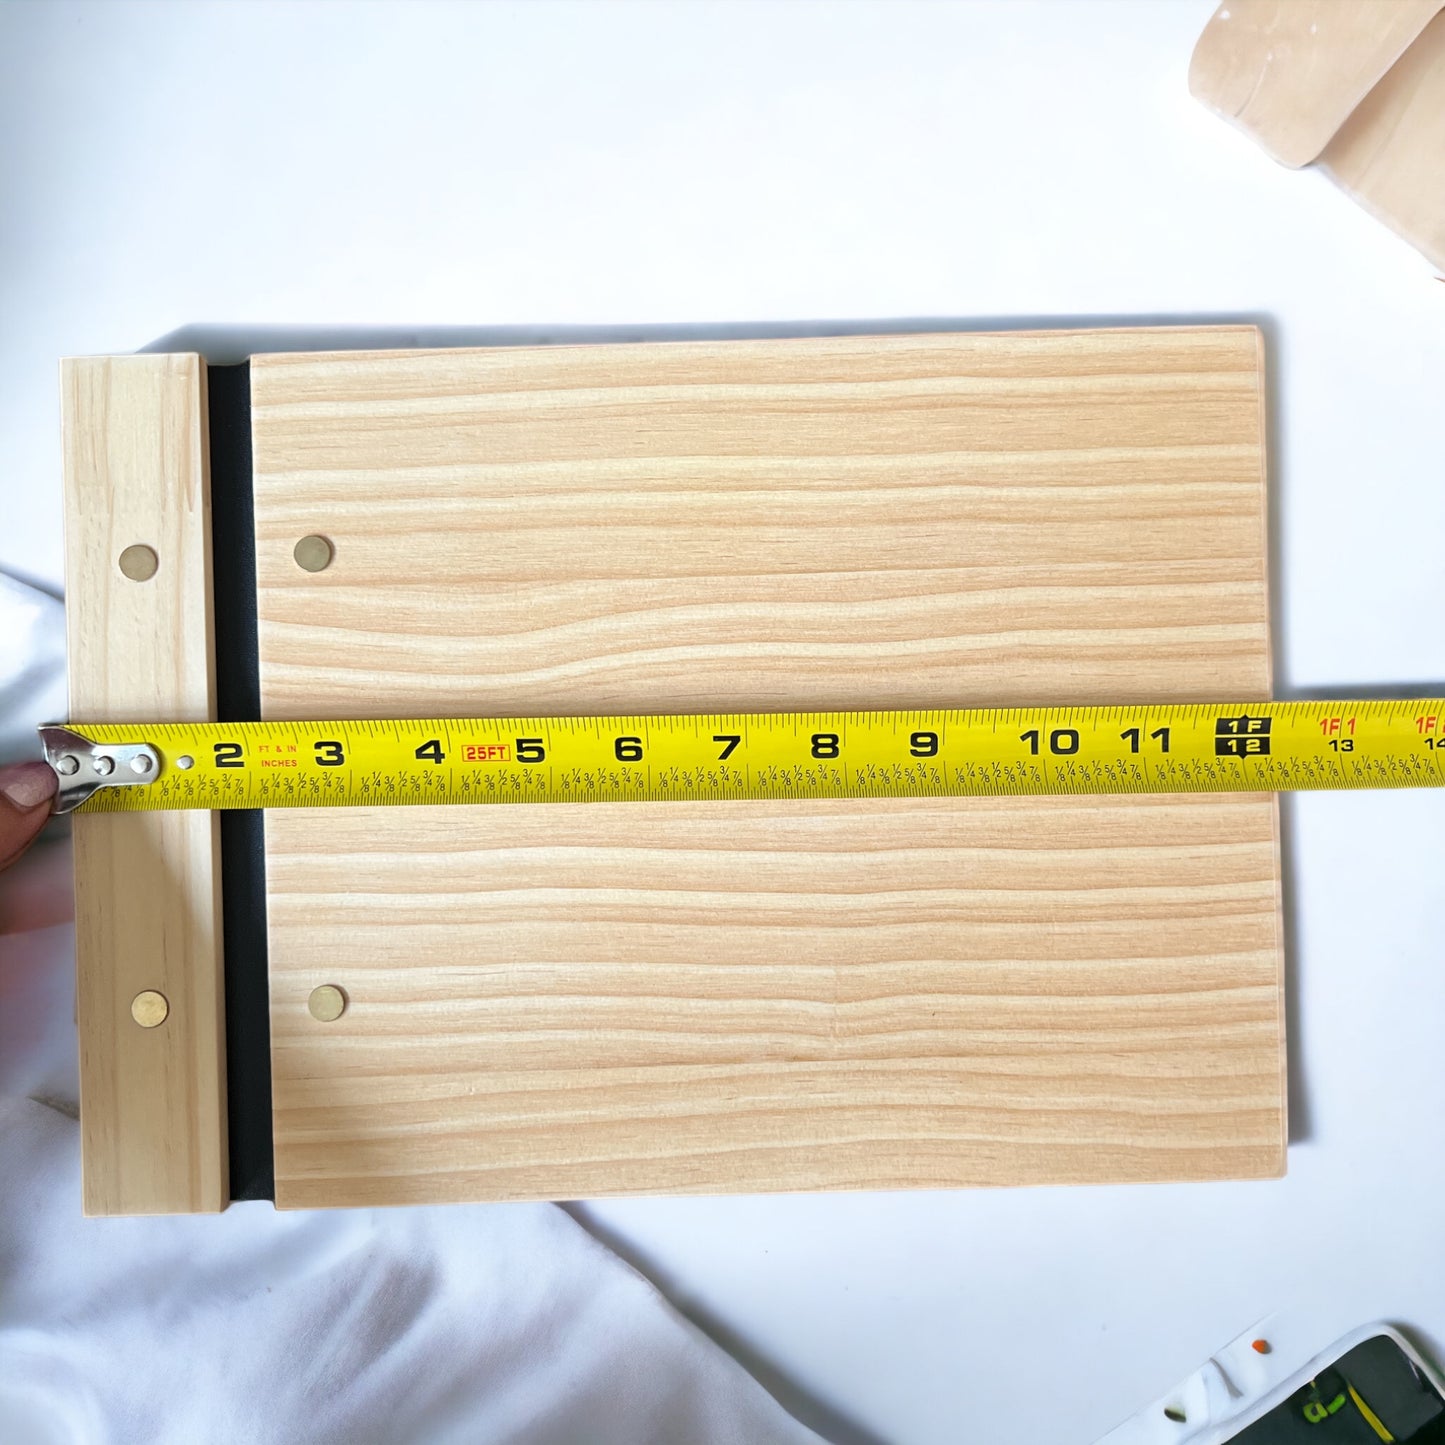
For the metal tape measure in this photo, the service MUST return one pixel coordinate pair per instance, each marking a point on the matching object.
(989, 752)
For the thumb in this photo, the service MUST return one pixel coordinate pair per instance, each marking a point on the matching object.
(25, 793)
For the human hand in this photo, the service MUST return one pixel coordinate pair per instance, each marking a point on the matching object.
(26, 791)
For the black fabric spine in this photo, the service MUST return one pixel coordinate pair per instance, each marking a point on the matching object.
(243, 857)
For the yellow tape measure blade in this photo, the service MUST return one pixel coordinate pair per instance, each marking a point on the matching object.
(1036, 751)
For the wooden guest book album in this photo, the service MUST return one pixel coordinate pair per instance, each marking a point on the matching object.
(553, 1001)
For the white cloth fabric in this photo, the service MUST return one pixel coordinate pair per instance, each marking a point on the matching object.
(32, 666)
(479, 1324)
(500, 1323)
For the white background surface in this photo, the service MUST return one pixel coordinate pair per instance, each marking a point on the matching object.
(558, 164)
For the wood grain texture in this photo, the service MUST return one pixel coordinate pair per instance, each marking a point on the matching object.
(954, 517)
(1289, 73)
(147, 895)
(557, 1001)
(1390, 154)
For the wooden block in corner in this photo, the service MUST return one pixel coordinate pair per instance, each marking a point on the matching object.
(1357, 86)
(1290, 72)
(1388, 156)
(147, 886)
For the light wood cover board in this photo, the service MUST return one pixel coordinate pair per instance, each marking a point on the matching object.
(568, 1001)
(147, 888)
(1290, 72)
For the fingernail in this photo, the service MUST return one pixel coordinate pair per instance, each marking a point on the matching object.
(28, 785)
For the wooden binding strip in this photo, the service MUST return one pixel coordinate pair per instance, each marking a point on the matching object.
(149, 999)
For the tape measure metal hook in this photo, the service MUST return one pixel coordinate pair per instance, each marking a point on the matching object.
(83, 766)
